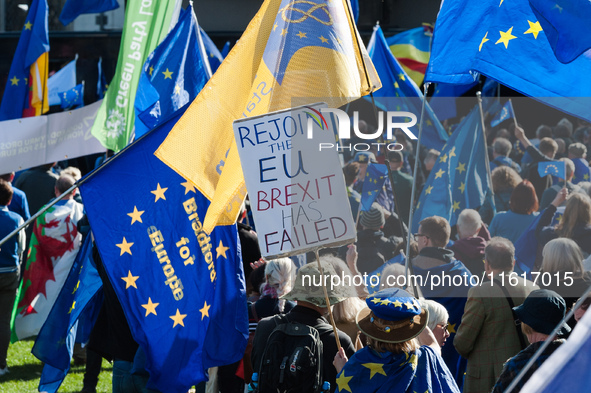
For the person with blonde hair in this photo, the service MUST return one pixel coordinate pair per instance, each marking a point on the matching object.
(504, 181)
(279, 279)
(564, 256)
(575, 223)
(438, 320)
(344, 313)
(402, 354)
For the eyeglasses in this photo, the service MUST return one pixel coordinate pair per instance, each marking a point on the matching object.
(443, 326)
(420, 234)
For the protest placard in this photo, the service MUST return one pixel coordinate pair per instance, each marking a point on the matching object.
(297, 191)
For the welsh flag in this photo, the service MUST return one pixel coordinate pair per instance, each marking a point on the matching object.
(52, 249)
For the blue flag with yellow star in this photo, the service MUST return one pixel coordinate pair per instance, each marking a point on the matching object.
(505, 113)
(79, 299)
(73, 97)
(400, 93)
(566, 24)
(373, 183)
(32, 44)
(421, 370)
(554, 168)
(582, 170)
(459, 180)
(74, 8)
(182, 290)
(505, 41)
(173, 74)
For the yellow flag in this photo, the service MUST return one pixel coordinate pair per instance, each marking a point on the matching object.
(38, 94)
(293, 52)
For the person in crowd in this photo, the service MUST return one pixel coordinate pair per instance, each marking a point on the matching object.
(473, 236)
(551, 192)
(310, 310)
(564, 130)
(501, 151)
(401, 355)
(435, 260)
(511, 224)
(430, 161)
(541, 312)
(438, 320)
(402, 184)
(561, 152)
(279, 279)
(344, 313)
(579, 312)
(38, 184)
(562, 260)
(575, 223)
(385, 198)
(19, 203)
(351, 172)
(504, 181)
(543, 131)
(546, 152)
(487, 336)
(10, 257)
(373, 248)
(577, 153)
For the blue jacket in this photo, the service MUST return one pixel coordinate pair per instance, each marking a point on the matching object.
(11, 250)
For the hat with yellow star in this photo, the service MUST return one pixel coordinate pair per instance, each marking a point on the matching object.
(393, 316)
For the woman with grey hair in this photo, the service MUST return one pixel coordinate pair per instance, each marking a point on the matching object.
(562, 270)
(438, 317)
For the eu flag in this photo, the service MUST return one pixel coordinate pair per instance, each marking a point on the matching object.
(74, 8)
(505, 113)
(399, 92)
(554, 168)
(506, 42)
(213, 54)
(173, 75)
(373, 183)
(80, 297)
(443, 101)
(582, 170)
(73, 97)
(32, 44)
(566, 24)
(182, 290)
(459, 180)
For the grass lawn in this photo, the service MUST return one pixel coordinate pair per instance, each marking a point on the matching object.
(25, 371)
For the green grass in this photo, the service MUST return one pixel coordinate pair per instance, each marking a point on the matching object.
(25, 371)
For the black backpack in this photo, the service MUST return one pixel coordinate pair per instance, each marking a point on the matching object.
(292, 359)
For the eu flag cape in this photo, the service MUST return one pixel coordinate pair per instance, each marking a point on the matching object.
(182, 290)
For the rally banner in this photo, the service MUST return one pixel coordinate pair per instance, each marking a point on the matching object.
(34, 141)
(297, 189)
(146, 24)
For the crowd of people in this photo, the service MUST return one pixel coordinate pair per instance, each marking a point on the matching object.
(442, 338)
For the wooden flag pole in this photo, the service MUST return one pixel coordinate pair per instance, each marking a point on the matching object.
(327, 300)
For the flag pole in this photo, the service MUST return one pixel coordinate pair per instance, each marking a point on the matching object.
(513, 110)
(408, 264)
(479, 97)
(548, 341)
(327, 300)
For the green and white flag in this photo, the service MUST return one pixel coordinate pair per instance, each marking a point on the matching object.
(147, 22)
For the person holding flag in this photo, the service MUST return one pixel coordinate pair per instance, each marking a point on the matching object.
(564, 170)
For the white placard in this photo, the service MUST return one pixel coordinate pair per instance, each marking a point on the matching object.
(297, 192)
(34, 141)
